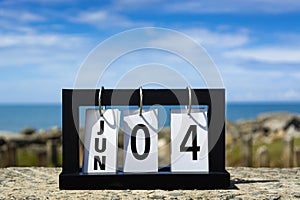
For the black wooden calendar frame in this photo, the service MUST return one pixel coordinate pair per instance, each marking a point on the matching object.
(72, 177)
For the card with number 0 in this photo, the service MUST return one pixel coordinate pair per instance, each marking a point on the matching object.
(140, 141)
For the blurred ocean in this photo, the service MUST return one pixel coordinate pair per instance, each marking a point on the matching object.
(17, 117)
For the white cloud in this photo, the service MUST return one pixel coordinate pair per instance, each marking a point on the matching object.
(266, 54)
(218, 39)
(135, 4)
(21, 16)
(19, 21)
(46, 40)
(12, 27)
(104, 19)
(290, 94)
(43, 50)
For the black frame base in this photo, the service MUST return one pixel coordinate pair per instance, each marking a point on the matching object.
(166, 181)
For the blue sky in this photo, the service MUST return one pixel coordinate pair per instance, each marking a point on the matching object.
(255, 44)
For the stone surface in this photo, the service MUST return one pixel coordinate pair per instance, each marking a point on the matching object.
(246, 183)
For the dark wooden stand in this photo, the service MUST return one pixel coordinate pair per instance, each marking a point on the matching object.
(72, 177)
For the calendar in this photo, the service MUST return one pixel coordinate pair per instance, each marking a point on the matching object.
(197, 142)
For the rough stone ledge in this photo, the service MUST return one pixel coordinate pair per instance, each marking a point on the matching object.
(246, 183)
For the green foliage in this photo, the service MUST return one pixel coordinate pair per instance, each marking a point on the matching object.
(234, 157)
(26, 158)
(275, 152)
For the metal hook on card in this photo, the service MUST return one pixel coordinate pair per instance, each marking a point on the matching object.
(190, 100)
(141, 101)
(99, 100)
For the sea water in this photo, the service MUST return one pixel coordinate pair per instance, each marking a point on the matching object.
(44, 116)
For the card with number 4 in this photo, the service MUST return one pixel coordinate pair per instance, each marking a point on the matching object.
(189, 141)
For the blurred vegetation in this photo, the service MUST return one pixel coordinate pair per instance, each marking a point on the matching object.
(26, 157)
(233, 152)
